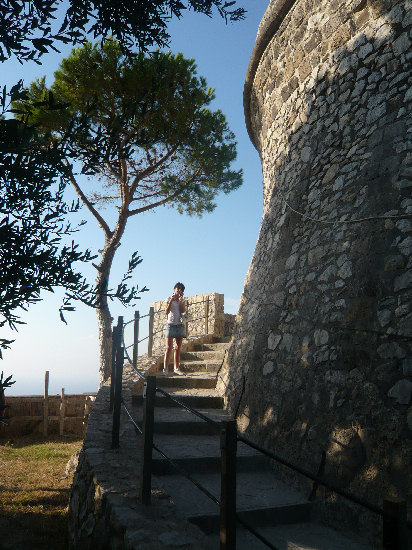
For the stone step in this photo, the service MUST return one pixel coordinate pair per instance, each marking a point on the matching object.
(208, 355)
(195, 381)
(222, 347)
(182, 422)
(299, 536)
(261, 499)
(198, 454)
(201, 465)
(198, 401)
(185, 428)
(200, 366)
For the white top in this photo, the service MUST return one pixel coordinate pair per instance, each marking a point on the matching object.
(173, 317)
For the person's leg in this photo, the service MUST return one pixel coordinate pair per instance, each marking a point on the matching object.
(178, 345)
(168, 354)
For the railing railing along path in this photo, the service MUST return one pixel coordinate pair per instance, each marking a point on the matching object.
(393, 513)
(151, 316)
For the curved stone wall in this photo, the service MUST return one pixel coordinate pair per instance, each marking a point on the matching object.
(321, 358)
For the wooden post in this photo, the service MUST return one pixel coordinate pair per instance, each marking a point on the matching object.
(228, 444)
(395, 531)
(62, 411)
(149, 395)
(117, 397)
(46, 403)
(150, 341)
(136, 337)
(207, 316)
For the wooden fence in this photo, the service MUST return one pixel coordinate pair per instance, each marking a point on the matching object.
(47, 414)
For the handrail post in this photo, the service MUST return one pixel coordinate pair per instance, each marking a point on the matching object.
(149, 395)
(395, 533)
(136, 337)
(228, 444)
(207, 315)
(117, 397)
(113, 373)
(150, 341)
(120, 328)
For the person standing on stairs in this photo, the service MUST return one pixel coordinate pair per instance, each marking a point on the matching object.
(175, 329)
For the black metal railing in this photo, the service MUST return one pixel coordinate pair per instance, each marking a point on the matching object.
(120, 351)
(152, 333)
(393, 513)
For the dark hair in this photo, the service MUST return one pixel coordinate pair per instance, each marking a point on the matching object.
(180, 285)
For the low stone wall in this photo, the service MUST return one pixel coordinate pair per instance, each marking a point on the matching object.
(195, 317)
(26, 414)
(104, 509)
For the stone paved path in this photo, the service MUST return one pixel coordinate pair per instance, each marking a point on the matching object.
(105, 510)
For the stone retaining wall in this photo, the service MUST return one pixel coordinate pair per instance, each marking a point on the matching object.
(195, 317)
(104, 510)
(323, 339)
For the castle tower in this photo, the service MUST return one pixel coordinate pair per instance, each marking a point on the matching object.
(321, 358)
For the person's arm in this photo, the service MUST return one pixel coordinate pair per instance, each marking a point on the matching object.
(182, 305)
(168, 305)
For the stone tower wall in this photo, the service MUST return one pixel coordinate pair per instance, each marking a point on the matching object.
(321, 358)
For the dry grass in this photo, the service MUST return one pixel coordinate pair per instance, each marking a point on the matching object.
(34, 493)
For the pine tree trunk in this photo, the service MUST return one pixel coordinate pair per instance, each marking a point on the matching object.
(104, 318)
(104, 321)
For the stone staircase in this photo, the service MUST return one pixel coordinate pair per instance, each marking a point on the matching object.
(279, 513)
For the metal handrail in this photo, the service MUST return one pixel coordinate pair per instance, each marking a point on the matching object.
(255, 533)
(188, 476)
(313, 477)
(240, 438)
(188, 408)
(171, 461)
(177, 401)
(136, 426)
(128, 356)
(196, 483)
(286, 463)
(128, 322)
(184, 472)
(137, 342)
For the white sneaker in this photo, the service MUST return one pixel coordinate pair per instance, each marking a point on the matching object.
(178, 372)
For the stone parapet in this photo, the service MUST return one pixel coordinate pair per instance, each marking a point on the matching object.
(195, 317)
(104, 510)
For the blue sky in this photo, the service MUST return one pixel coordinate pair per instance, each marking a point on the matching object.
(210, 254)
